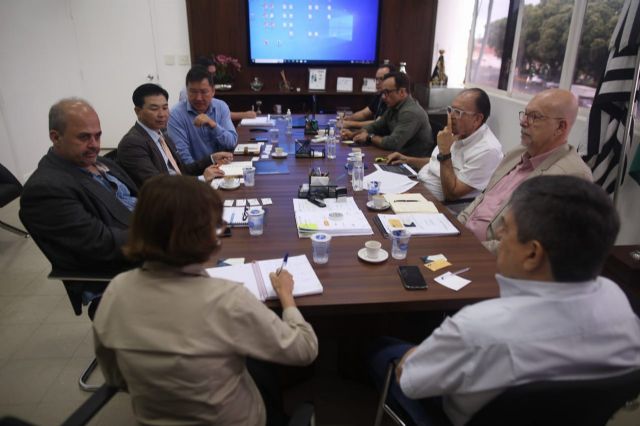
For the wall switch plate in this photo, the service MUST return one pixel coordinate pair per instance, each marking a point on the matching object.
(184, 60)
(169, 60)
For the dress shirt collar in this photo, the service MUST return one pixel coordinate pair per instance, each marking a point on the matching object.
(154, 134)
(473, 137)
(192, 110)
(512, 287)
(192, 269)
(538, 159)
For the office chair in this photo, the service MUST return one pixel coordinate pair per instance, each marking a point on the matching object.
(568, 402)
(10, 189)
(302, 416)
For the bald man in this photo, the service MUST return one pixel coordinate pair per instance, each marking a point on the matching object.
(544, 130)
(77, 205)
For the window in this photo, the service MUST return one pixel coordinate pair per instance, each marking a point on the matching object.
(525, 46)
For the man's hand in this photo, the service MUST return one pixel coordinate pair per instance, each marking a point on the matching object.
(204, 119)
(212, 172)
(249, 114)
(283, 285)
(346, 134)
(396, 158)
(361, 137)
(446, 138)
(222, 157)
(402, 361)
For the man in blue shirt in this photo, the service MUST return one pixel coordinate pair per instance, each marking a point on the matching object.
(201, 125)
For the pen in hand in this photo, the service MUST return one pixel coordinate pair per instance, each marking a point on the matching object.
(284, 263)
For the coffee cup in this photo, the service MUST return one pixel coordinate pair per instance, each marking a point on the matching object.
(279, 150)
(378, 201)
(373, 248)
(229, 181)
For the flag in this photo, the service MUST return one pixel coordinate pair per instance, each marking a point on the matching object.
(609, 110)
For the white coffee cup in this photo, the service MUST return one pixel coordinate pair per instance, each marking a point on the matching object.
(378, 201)
(373, 248)
(230, 181)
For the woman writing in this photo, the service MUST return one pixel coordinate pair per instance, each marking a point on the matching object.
(178, 339)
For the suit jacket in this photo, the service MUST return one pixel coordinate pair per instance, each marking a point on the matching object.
(140, 157)
(78, 223)
(564, 161)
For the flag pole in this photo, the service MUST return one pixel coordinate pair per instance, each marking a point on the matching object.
(627, 138)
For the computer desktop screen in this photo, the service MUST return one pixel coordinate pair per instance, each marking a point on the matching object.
(315, 32)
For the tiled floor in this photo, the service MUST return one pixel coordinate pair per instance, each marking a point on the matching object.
(44, 347)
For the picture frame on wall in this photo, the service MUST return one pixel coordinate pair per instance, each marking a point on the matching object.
(344, 84)
(317, 78)
(369, 85)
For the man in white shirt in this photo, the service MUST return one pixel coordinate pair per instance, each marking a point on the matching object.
(467, 153)
(555, 319)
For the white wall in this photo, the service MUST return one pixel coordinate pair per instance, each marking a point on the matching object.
(88, 48)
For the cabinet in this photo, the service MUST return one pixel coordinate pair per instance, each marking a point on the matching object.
(327, 102)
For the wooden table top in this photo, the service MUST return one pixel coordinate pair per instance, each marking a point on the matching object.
(352, 286)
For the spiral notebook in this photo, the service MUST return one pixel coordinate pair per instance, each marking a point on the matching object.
(235, 216)
(255, 276)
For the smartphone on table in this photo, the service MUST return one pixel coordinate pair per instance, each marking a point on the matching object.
(412, 278)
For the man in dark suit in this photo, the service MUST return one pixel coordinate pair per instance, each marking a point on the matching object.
(146, 151)
(77, 205)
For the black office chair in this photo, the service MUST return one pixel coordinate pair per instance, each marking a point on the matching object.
(567, 402)
(10, 189)
(302, 416)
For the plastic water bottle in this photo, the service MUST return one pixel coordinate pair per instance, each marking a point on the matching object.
(289, 122)
(357, 177)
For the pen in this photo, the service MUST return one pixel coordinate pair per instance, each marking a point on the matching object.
(231, 218)
(460, 271)
(284, 263)
(405, 201)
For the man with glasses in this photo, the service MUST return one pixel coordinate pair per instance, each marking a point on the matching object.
(376, 107)
(201, 125)
(467, 153)
(544, 129)
(404, 127)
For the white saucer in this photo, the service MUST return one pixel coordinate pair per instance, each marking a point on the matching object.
(347, 142)
(353, 154)
(372, 207)
(281, 155)
(382, 255)
(230, 187)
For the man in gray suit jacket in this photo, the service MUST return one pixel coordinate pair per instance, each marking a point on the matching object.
(146, 151)
(77, 205)
(545, 126)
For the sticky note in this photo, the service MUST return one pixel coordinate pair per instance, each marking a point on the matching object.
(449, 280)
(437, 264)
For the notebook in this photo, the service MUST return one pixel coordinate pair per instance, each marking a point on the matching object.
(234, 216)
(255, 276)
(235, 167)
(247, 149)
(410, 203)
(265, 121)
(417, 224)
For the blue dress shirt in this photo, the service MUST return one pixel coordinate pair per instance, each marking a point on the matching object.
(194, 143)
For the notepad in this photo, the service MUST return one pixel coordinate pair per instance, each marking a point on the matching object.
(235, 167)
(340, 217)
(410, 203)
(247, 149)
(417, 224)
(265, 121)
(234, 216)
(255, 276)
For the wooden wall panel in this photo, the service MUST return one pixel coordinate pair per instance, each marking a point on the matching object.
(407, 31)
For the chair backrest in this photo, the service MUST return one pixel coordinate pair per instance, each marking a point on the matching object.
(575, 402)
(10, 187)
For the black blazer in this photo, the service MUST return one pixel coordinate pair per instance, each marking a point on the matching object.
(140, 157)
(78, 223)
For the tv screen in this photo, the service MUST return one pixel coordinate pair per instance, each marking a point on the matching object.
(337, 32)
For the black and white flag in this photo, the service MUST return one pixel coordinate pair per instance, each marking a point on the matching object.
(609, 110)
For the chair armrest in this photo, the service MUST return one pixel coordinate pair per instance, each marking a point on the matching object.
(91, 406)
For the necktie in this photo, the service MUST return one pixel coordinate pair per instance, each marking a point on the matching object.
(167, 152)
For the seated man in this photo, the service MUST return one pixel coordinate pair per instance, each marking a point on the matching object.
(145, 151)
(555, 318)
(467, 153)
(210, 65)
(201, 125)
(545, 125)
(376, 107)
(76, 205)
(403, 127)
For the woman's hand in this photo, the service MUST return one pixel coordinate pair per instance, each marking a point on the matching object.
(283, 285)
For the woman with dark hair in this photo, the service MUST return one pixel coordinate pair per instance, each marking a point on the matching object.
(178, 339)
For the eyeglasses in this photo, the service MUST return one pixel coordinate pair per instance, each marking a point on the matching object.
(457, 113)
(387, 91)
(532, 117)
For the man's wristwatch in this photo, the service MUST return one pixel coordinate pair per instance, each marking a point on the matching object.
(443, 157)
(369, 136)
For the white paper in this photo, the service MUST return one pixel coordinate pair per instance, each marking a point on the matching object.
(317, 78)
(265, 121)
(390, 183)
(241, 202)
(228, 203)
(339, 218)
(266, 201)
(344, 84)
(428, 224)
(253, 202)
(235, 167)
(449, 280)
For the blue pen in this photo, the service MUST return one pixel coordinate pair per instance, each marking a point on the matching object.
(233, 215)
(284, 263)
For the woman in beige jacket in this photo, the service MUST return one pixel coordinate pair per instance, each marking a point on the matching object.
(178, 339)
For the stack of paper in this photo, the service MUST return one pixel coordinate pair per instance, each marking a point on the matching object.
(418, 224)
(410, 203)
(390, 183)
(235, 167)
(340, 217)
(247, 148)
(265, 121)
(255, 276)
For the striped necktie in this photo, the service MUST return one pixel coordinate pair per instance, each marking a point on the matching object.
(167, 152)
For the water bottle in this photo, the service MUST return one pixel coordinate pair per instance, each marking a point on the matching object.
(289, 122)
(357, 177)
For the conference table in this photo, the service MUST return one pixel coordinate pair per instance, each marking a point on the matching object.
(353, 287)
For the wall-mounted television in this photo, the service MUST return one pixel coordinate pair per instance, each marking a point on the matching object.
(313, 32)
